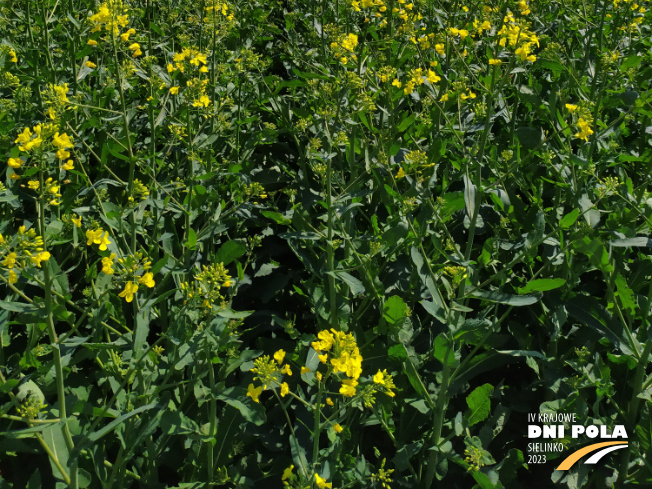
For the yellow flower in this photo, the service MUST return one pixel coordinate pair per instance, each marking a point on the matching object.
(68, 165)
(10, 260)
(25, 136)
(174, 90)
(15, 162)
(62, 154)
(203, 69)
(325, 341)
(401, 173)
(124, 37)
(396, 83)
(62, 141)
(432, 77)
(571, 107)
(285, 388)
(129, 291)
(321, 483)
(107, 264)
(323, 358)
(13, 278)
(197, 59)
(42, 256)
(329, 401)
(254, 392)
(305, 370)
(14, 58)
(203, 100)
(76, 221)
(147, 279)
(348, 387)
(91, 42)
(287, 473)
(318, 375)
(33, 185)
(585, 129)
(338, 428)
(279, 356)
(444, 98)
(90, 64)
(135, 48)
(95, 237)
(378, 378)
(494, 61)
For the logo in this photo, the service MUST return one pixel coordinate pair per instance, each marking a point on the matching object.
(550, 433)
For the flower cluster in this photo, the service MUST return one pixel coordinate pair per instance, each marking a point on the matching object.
(56, 97)
(344, 46)
(269, 372)
(39, 139)
(516, 34)
(99, 237)
(584, 121)
(132, 269)
(188, 59)
(112, 14)
(20, 251)
(207, 286)
(342, 351)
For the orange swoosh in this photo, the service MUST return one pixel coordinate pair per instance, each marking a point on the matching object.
(575, 456)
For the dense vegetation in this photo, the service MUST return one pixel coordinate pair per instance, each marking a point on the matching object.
(315, 244)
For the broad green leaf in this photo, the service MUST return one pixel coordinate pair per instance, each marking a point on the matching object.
(569, 219)
(630, 242)
(529, 137)
(18, 307)
(444, 351)
(541, 285)
(510, 299)
(597, 253)
(406, 122)
(251, 411)
(479, 404)
(229, 251)
(394, 310)
(355, 285)
(277, 217)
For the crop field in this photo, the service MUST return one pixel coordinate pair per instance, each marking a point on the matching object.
(313, 244)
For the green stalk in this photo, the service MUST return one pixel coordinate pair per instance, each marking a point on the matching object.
(212, 416)
(330, 252)
(132, 159)
(54, 342)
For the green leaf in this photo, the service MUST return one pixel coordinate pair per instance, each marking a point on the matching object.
(569, 219)
(192, 239)
(253, 413)
(53, 437)
(541, 285)
(625, 294)
(406, 122)
(444, 351)
(630, 62)
(529, 137)
(355, 286)
(597, 253)
(394, 313)
(229, 251)
(277, 217)
(629, 242)
(502, 298)
(479, 404)
(18, 307)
